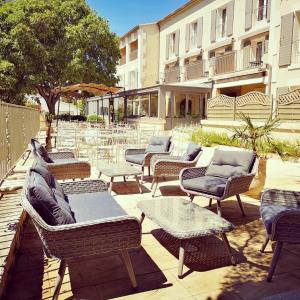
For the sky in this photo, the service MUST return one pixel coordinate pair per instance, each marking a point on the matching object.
(123, 15)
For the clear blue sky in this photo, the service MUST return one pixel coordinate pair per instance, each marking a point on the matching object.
(125, 14)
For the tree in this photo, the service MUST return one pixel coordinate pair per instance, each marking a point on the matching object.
(46, 43)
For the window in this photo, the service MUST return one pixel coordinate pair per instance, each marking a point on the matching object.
(223, 22)
(261, 12)
(193, 35)
(172, 44)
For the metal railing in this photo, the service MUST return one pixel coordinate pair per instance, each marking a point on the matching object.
(195, 70)
(296, 52)
(18, 124)
(133, 54)
(172, 75)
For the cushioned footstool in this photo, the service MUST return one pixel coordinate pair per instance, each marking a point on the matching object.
(184, 219)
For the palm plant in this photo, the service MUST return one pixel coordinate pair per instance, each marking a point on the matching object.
(257, 137)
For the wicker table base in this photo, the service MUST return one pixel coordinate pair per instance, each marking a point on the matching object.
(183, 220)
(116, 170)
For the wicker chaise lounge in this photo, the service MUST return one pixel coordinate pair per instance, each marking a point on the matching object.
(280, 212)
(142, 157)
(229, 174)
(162, 165)
(63, 164)
(78, 219)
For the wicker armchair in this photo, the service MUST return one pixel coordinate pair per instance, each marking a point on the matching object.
(197, 181)
(142, 157)
(82, 239)
(169, 166)
(280, 212)
(63, 165)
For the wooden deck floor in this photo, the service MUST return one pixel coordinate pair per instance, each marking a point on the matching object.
(209, 274)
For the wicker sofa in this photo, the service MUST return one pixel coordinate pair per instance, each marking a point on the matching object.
(142, 157)
(63, 164)
(170, 166)
(81, 220)
(280, 212)
(229, 174)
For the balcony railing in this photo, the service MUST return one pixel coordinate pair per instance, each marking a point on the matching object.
(195, 70)
(133, 54)
(247, 58)
(172, 75)
(296, 52)
(122, 60)
(225, 63)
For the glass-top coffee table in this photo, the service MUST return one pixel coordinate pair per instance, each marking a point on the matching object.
(184, 219)
(116, 170)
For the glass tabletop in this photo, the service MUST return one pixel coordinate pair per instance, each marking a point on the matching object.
(182, 218)
(112, 170)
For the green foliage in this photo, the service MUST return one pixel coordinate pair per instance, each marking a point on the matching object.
(53, 41)
(211, 138)
(94, 119)
(81, 105)
(256, 137)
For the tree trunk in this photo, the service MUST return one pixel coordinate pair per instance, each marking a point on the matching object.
(51, 99)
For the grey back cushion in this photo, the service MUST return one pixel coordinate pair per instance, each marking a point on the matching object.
(191, 152)
(159, 144)
(231, 163)
(40, 151)
(53, 209)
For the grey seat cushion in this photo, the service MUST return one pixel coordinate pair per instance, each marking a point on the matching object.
(40, 151)
(159, 144)
(66, 160)
(135, 158)
(191, 152)
(53, 209)
(94, 206)
(206, 184)
(268, 213)
(231, 163)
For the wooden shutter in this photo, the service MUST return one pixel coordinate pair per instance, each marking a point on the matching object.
(167, 46)
(268, 10)
(187, 37)
(248, 14)
(177, 42)
(286, 39)
(230, 17)
(199, 32)
(213, 26)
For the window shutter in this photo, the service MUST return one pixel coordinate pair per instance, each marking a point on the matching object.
(167, 46)
(177, 42)
(286, 39)
(230, 17)
(268, 10)
(199, 32)
(248, 14)
(213, 26)
(187, 37)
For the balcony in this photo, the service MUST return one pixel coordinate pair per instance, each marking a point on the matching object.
(172, 75)
(122, 60)
(195, 70)
(296, 52)
(247, 58)
(133, 54)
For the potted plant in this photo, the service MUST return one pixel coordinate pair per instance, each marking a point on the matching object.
(258, 138)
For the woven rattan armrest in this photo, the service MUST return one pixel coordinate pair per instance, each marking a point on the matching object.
(90, 238)
(70, 170)
(84, 186)
(189, 173)
(149, 155)
(134, 151)
(238, 184)
(61, 155)
(282, 197)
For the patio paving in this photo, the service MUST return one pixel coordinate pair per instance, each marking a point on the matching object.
(208, 272)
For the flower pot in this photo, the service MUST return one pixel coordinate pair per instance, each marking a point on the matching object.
(258, 182)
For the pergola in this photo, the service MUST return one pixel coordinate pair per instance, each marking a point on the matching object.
(75, 91)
